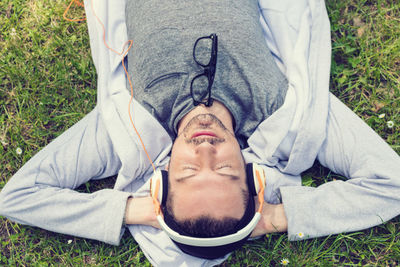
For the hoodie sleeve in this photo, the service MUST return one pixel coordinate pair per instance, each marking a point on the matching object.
(42, 192)
(369, 197)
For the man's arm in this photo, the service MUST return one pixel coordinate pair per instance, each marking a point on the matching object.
(370, 197)
(141, 211)
(273, 219)
(41, 192)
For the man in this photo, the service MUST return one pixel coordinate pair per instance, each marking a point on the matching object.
(92, 150)
(209, 86)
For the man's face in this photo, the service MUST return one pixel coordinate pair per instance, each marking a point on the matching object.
(207, 171)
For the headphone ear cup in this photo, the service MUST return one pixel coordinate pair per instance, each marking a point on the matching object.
(164, 187)
(161, 177)
(251, 179)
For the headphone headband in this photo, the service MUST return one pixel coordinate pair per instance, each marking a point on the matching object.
(210, 241)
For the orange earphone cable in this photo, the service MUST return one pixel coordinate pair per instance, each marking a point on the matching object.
(129, 43)
(261, 193)
(67, 9)
(157, 207)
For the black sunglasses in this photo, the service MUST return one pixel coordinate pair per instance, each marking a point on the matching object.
(209, 65)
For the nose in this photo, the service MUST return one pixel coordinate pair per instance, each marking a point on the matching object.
(205, 150)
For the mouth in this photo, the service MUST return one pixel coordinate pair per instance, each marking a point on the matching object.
(203, 133)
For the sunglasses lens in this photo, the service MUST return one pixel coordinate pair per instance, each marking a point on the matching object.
(199, 88)
(202, 51)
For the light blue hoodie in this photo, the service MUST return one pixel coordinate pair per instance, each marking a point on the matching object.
(311, 124)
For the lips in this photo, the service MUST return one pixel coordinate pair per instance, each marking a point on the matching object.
(204, 133)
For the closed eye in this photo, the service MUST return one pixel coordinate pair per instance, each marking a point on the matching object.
(188, 168)
(225, 166)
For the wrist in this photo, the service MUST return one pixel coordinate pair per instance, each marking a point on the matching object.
(273, 219)
(277, 219)
(139, 211)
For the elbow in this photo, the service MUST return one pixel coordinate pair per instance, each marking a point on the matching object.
(3, 202)
(13, 196)
(5, 194)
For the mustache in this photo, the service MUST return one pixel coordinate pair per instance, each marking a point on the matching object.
(199, 140)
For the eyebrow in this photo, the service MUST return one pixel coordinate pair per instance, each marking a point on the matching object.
(231, 176)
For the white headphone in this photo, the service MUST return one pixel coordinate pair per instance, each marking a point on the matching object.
(159, 190)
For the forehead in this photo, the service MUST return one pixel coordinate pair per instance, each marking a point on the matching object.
(217, 197)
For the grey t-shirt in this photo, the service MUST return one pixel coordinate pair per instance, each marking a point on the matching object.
(161, 65)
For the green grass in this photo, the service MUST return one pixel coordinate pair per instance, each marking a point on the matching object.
(47, 83)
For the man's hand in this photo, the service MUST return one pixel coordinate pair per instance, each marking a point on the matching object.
(273, 219)
(141, 211)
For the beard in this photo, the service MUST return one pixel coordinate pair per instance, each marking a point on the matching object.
(204, 122)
